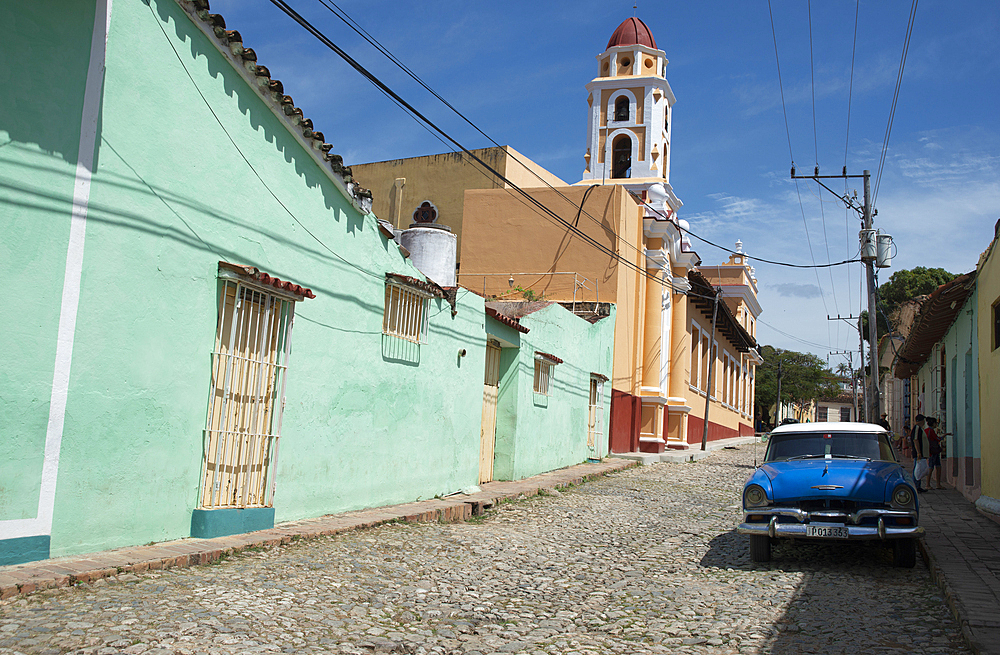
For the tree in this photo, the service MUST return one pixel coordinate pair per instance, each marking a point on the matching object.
(804, 377)
(900, 287)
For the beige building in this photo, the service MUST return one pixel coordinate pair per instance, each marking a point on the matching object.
(612, 238)
(400, 186)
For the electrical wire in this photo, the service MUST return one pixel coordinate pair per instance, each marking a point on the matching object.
(781, 88)
(283, 6)
(734, 252)
(895, 97)
(337, 11)
(847, 140)
(247, 161)
(795, 338)
(812, 83)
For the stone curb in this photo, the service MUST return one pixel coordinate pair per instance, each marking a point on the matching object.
(953, 601)
(23, 579)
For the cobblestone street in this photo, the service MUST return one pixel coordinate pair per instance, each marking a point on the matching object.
(643, 561)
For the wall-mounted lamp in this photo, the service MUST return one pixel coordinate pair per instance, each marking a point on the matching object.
(510, 281)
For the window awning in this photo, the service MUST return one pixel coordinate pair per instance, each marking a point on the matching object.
(257, 276)
(546, 357)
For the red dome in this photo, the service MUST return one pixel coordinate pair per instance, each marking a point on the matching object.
(632, 32)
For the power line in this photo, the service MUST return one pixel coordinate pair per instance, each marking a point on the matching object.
(847, 140)
(795, 338)
(356, 27)
(734, 252)
(385, 89)
(895, 97)
(781, 89)
(812, 82)
(247, 161)
(337, 11)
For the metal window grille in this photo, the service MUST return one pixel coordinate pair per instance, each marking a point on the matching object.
(405, 313)
(543, 373)
(822, 414)
(595, 424)
(247, 397)
(845, 414)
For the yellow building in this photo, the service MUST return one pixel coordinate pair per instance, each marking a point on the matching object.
(400, 186)
(614, 237)
(988, 328)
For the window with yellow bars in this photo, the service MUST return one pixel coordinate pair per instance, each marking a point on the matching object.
(246, 396)
(405, 314)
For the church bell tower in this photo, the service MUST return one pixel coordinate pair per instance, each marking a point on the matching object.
(630, 106)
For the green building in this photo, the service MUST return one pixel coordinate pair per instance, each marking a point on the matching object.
(207, 330)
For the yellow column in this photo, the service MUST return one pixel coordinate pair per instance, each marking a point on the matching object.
(680, 366)
(651, 343)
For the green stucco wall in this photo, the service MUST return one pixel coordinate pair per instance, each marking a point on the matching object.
(40, 112)
(368, 421)
(962, 351)
(538, 433)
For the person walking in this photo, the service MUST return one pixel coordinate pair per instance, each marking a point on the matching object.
(917, 447)
(934, 450)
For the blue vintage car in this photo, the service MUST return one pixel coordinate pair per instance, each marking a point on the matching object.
(830, 482)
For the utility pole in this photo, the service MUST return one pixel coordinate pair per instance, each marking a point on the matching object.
(861, 353)
(868, 255)
(711, 371)
(777, 406)
(854, 379)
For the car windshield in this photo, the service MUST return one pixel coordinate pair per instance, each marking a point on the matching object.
(850, 445)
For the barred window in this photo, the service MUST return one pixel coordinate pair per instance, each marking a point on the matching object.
(822, 414)
(543, 371)
(845, 414)
(246, 396)
(405, 314)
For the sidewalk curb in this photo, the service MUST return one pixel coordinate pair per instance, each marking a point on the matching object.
(19, 580)
(952, 599)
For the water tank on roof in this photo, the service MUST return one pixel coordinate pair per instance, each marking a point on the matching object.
(433, 250)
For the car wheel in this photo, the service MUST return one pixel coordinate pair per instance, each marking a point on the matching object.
(760, 548)
(904, 553)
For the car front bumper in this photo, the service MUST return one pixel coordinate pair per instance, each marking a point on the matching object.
(883, 529)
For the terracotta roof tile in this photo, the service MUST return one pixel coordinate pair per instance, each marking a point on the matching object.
(936, 315)
(506, 320)
(552, 358)
(230, 42)
(254, 274)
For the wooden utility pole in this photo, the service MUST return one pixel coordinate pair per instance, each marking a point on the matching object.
(868, 254)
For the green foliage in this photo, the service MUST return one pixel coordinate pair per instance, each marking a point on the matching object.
(804, 376)
(903, 285)
(906, 284)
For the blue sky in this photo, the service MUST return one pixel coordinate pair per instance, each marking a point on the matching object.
(518, 69)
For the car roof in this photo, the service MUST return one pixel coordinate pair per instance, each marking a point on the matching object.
(835, 426)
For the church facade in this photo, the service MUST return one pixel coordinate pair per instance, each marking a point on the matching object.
(684, 347)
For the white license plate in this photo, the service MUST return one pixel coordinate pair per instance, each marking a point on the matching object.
(827, 531)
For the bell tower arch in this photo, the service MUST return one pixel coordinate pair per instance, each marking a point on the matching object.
(630, 100)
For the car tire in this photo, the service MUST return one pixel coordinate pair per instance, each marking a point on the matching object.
(904, 553)
(760, 548)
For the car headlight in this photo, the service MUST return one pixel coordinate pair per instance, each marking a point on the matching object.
(754, 496)
(902, 496)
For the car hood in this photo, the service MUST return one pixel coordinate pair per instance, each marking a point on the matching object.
(852, 479)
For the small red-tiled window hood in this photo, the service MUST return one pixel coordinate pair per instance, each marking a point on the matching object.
(257, 276)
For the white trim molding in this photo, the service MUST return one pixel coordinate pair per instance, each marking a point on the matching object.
(41, 525)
